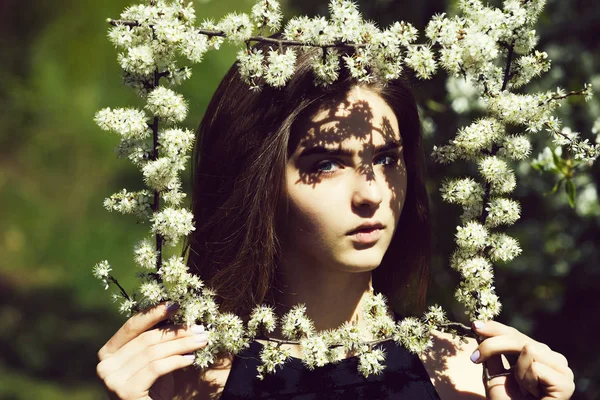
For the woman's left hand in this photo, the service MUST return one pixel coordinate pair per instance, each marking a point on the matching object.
(539, 372)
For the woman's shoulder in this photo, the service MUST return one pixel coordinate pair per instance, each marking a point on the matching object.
(450, 369)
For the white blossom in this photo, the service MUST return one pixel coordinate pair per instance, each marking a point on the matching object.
(152, 293)
(370, 362)
(503, 247)
(127, 122)
(435, 317)
(493, 169)
(237, 27)
(414, 335)
(173, 224)
(121, 35)
(175, 141)
(138, 203)
(295, 324)
(502, 211)
(178, 75)
(174, 195)
(357, 66)
(444, 31)
(194, 45)
(346, 21)
(420, 59)
(168, 30)
(300, 29)
(280, 67)
(137, 151)
(477, 269)
(160, 173)
(267, 12)
(214, 42)
(445, 154)
(102, 272)
(138, 60)
(165, 103)
(404, 32)
(529, 67)
(271, 357)
(480, 135)
(375, 306)
(174, 270)
(146, 255)
(515, 147)
(262, 316)
(381, 327)
(478, 48)
(472, 236)
(229, 331)
(251, 66)
(127, 306)
(326, 71)
(314, 351)
(462, 191)
(450, 59)
(143, 14)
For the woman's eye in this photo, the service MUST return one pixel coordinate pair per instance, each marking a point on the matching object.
(387, 159)
(327, 166)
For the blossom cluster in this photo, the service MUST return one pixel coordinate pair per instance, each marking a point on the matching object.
(494, 51)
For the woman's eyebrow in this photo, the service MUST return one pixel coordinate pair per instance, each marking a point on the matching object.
(390, 145)
(339, 152)
(342, 152)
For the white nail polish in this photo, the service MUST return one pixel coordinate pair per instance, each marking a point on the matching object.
(197, 328)
(478, 324)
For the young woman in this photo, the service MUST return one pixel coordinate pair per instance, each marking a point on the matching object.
(316, 195)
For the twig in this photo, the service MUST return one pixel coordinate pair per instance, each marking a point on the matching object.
(511, 50)
(571, 93)
(260, 38)
(156, 205)
(123, 292)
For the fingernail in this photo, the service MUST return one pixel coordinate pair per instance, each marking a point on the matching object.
(201, 337)
(172, 307)
(475, 356)
(190, 357)
(197, 328)
(478, 324)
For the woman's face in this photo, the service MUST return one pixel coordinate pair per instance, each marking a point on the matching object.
(346, 185)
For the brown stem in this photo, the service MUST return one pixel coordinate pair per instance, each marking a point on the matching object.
(123, 292)
(155, 155)
(260, 38)
(511, 51)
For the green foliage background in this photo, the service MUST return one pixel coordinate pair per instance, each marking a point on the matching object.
(57, 69)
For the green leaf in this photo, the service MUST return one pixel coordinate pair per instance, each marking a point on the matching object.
(557, 160)
(556, 186)
(570, 189)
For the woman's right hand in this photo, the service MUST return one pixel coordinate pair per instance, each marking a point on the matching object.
(134, 359)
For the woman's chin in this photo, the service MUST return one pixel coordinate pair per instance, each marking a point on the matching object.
(361, 262)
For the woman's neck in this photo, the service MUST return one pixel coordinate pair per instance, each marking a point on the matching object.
(331, 297)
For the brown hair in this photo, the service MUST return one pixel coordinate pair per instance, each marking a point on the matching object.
(238, 178)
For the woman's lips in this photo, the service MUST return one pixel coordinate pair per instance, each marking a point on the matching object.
(366, 235)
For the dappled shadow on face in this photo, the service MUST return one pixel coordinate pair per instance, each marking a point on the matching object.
(352, 128)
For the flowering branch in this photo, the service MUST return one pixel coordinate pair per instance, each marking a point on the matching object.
(154, 37)
(259, 38)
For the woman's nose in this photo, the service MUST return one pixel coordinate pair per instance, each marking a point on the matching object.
(367, 191)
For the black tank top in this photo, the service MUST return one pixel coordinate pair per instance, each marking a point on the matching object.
(404, 377)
